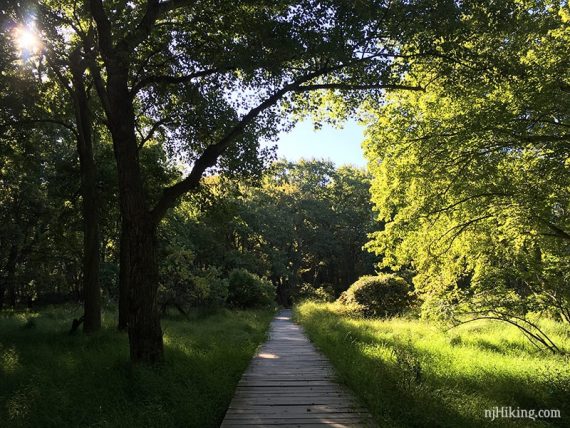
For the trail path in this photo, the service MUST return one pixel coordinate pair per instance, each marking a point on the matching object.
(290, 384)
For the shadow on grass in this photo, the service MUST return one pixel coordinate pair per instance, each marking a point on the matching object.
(406, 385)
(52, 379)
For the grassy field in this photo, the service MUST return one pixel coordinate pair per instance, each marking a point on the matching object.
(412, 374)
(51, 379)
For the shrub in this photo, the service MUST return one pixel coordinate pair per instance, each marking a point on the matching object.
(308, 292)
(384, 295)
(209, 288)
(247, 290)
(184, 287)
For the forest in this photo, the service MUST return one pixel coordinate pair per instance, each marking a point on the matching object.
(149, 233)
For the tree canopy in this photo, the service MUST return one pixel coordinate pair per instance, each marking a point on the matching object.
(471, 176)
(467, 144)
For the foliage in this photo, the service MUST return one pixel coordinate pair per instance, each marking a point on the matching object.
(247, 290)
(85, 377)
(470, 177)
(303, 223)
(217, 286)
(444, 379)
(385, 295)
(184, 287)
(470, 163)
(205, 83)
(308, 292)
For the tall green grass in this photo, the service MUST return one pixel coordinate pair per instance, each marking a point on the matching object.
(410, 373)
(51, 379)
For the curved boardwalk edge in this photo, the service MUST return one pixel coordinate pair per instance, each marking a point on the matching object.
(290, 384)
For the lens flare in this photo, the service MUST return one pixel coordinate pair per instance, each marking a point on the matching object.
(27, 41)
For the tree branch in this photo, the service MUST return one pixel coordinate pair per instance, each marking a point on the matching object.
(61, 123)
(171, 80)
(90, 57)
(459, 229)
(144, 28)
(558, 232)
(351, 87)
(211, 154)
(467, 199)
(103, 27)
(154, 10)
(151, 132)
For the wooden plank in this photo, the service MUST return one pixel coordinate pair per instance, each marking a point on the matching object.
(294, 411)
(292, 387)
(298, 424)
(295, 419)
(283, 383)
(330, 395)
(295, 423)
(288, 417)
(247, 402)
(290, 384)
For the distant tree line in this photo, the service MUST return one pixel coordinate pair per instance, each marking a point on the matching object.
(301, 225)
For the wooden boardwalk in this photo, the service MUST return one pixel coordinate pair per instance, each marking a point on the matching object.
(290, 384)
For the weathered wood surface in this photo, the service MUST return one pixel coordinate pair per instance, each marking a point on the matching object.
(290, 384)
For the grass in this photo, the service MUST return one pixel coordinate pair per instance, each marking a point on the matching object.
(410, 373)
(51, 379)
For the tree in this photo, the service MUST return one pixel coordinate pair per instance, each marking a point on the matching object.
(140, 56)
(302, 225)
(471, 177)
(65, 77)
(38, 255)
(208, 79)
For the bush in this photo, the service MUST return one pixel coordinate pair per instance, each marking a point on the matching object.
(182, 286)
(384, 295)
(247, 290)
(308, 292)
(210, 289)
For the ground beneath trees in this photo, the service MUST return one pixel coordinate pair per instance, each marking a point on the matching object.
(51, 379)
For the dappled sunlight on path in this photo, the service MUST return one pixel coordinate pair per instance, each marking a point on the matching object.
(290, 384)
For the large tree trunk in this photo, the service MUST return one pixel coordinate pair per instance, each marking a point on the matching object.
(124, 279)
(145, 334)
(90, 208)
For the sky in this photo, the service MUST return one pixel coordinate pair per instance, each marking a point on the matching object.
(342, 146)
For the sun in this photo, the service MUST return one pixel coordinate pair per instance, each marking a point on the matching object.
(27, 40)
